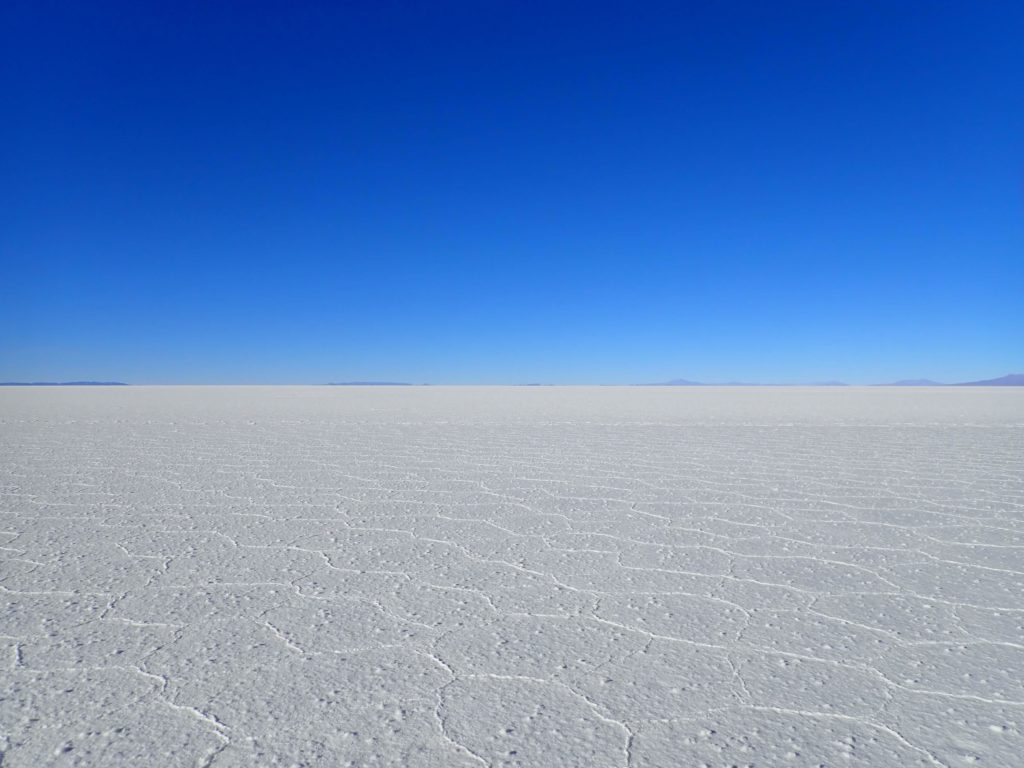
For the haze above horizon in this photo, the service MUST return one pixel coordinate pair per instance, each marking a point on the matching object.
(481, 193)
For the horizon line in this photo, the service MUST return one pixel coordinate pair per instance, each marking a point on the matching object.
(1011, 380)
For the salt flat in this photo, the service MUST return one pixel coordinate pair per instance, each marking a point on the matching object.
(313, 576)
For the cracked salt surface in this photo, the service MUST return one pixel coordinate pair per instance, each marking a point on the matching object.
(306, 576)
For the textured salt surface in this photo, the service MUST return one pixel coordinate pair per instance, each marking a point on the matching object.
(530, 576)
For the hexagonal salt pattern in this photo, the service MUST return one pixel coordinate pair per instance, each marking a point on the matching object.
(305, 576)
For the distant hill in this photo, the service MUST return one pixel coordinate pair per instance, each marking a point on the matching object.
(912, 383)
(1009, 380)
(688, 383)
(369, 384)
(62, 384)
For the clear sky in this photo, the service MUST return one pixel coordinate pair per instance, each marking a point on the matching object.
(506, 192)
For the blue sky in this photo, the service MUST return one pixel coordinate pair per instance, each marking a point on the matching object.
(503, 192)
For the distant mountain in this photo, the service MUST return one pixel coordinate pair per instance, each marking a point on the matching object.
(1009, 380)
(912, 383)
(62, 384)
(369, 384)
(688, 383)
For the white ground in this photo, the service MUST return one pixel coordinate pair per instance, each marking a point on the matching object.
(539, 577)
